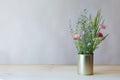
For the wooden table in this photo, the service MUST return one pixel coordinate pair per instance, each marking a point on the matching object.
(57, 72)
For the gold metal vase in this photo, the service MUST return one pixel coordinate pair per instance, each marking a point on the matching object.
(85, 64)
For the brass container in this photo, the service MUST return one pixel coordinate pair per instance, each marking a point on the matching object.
(85, 64)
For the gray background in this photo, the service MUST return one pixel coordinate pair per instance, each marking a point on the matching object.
(36, 31)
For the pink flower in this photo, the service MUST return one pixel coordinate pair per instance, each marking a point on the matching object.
(100, 34)
(76, 36)
(102, 26)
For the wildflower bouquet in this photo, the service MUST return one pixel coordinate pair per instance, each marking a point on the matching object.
(87, 33)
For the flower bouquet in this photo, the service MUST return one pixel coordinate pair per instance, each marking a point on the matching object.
(88, 35)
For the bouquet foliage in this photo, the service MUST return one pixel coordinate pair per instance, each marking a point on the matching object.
(87, 32)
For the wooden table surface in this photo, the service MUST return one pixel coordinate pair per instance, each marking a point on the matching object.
(57, 72)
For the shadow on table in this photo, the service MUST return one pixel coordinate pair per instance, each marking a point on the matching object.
(108, 72)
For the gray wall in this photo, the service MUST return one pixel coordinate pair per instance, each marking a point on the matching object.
(36, 31)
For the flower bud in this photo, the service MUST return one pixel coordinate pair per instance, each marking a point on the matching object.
(76, 36)
(100, 34)
(102, 26)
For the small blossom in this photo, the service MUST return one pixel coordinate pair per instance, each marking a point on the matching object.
(76, 36)
(100, 34)
(89, 44)
(93, 32)
(85, 21)
(102, 26)
(85, 11)
(83, 32)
